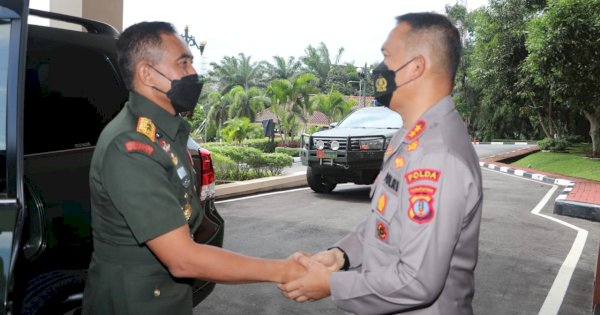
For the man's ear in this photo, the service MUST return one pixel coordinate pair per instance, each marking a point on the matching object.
(417, 68)
(143, 74)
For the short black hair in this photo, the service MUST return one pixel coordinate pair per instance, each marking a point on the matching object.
(445, 31)
(138, 42)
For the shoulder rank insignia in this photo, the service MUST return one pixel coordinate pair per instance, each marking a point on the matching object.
(136, 146)
(146, 127)
(416, 130)
(422, 174)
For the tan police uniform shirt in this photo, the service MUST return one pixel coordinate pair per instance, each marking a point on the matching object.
(417, 250)
(142, 186)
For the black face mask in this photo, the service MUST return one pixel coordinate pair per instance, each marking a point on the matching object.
(184, 93)
(384, 80)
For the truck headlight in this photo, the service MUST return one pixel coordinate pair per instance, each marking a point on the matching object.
(335, 145)
(320, 145)
(371, 144)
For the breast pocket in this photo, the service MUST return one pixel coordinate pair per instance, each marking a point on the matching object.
(157, 294)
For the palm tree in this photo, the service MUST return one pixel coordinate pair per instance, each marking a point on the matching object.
(282, 69)
(239, 129)
(317, 61)
(246, 103)
(233, 71)
(294, 96)
(333, 105)
(219, 110)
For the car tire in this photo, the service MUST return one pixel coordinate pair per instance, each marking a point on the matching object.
(49, 293)
(318, 183)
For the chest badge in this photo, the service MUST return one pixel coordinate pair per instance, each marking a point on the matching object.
(399, 162)
(187, 207)
(382, 231)
(381, 202)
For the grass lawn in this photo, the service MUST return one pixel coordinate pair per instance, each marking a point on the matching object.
(571, 163)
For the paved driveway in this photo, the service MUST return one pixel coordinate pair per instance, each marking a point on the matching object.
(527, 260)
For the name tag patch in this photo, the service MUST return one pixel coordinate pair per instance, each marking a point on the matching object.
(391, 182)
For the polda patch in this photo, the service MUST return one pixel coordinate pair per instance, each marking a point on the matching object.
(422, 174)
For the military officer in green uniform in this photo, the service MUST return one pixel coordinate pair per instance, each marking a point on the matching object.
(144, 202)
(417, 250)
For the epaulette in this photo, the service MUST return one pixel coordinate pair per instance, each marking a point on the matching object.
(146, 127)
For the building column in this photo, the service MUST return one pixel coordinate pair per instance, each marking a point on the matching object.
(108, 11)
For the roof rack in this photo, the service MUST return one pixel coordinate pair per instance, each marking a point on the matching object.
(94, 27)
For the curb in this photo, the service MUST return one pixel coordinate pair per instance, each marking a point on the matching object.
(562, 206)
(247, 187)
(512, 143)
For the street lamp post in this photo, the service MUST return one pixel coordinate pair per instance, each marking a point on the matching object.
(363, 72)
(191, 40)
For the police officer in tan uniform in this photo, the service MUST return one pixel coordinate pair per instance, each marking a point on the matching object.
(144, 201)
(417, 250)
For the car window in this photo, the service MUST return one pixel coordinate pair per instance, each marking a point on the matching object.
(380, 117)
(71, 93)
(4, 41)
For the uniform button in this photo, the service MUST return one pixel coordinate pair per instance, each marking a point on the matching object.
(156, 292)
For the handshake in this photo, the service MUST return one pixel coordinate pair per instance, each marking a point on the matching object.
(307, 277)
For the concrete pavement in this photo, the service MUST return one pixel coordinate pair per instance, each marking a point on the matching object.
(580, 198)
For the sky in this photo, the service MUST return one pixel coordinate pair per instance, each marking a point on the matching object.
(262, 29)
(266, 28)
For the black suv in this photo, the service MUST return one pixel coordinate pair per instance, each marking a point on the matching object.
(58, 89)
(352, 151)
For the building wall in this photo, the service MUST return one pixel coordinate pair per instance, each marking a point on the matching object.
(109, 11)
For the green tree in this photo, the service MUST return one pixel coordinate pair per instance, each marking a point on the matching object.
(500, 33)
(282, 69)
(564, 54)
(333, 105)
(318, 61)
(246, 103)
(218, 113)
(240, 129)
(233, 71)
(465, 94)
(293, 96)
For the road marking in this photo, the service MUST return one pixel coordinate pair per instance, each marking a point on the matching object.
(559, 287)
(261, 195)
(561, 282)
(273, 193)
